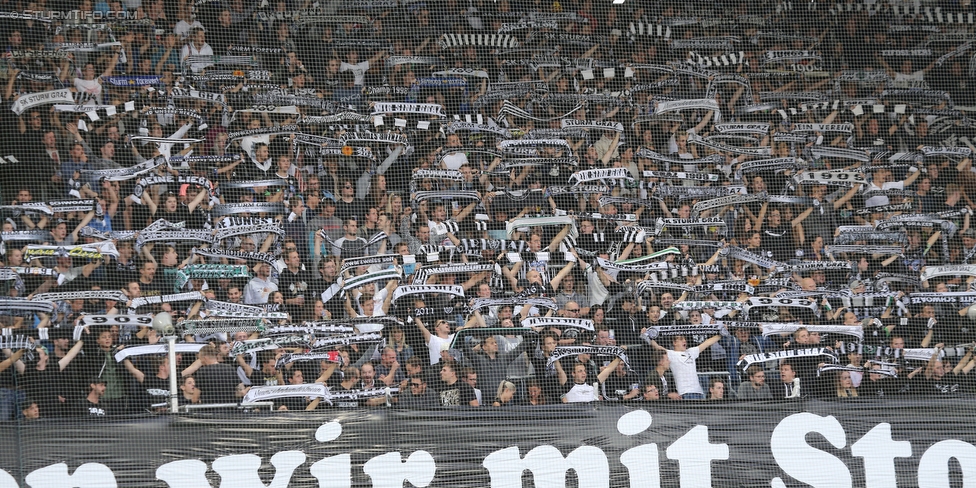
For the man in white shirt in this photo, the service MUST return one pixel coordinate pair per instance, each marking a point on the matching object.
(683, 365)
(260, 288)
(358, 68)
(196, 47)
(580, 391)
(437, 341)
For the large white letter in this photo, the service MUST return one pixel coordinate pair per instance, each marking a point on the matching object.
(387, 471)
(548, 467)
(694, 455)
(933, 468)
(879, 452)
(189, 473)
(806, 464)
(88, 475)
(641, 461)
(241, 470)
(334, 471)
(7, 480)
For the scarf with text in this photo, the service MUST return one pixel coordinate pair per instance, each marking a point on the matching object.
(749, 360)
(594, 351)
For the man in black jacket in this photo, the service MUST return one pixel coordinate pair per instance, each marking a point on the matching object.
(489, 363)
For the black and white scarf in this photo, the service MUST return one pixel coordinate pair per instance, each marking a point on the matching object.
(846, 238)
(751, 359)
(600, 174)
(774, 164)
(271, 343)
(607, 125)
(663, 224)
(273, 130)
(452, 41)
(310, 328)
(808, 266)
(409, 290)
(225, 209)
(772, 328)
(382, 276)
(380, 108)
(19, 305)
(688, 104)
(753, 151)
(236, 255)
(345, 340)
(192, 296)
(514, 110)
(558, 322)
(594, 351)
(255, 228)
(383, 260)
(266, 393)
(25, 236)
(83, 295)
(123, 174)
(540, 302)
(425, 272)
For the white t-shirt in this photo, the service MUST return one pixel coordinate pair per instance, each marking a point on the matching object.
(434, 346)
(258, 291)
(581, 393)
(882, 199)
(438, 230)
(455, 160)
(685, 371)
(92, 90)
(358, 69)
(190, 50)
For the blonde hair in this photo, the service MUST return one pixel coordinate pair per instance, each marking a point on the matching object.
(504, 385)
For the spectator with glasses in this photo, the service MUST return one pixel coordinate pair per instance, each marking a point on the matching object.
(417, 395)
(756, 388)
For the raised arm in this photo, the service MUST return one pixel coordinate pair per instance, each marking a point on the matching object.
(554, 245)
(602, 377)
(613, 146)
(84, 222)
(6, 363)
(423, 330)
(930, 367)
(709, 342)
(248, 370)
(71, 355)
(134, 371)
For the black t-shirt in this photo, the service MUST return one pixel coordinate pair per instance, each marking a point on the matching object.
(356, 209)
(292, 403)
(457, 395)
(881, 388)
(154, 390)
(45, 386)
(217, 383)
(949, 384)
(154, 288)
(335, 304)
(260, 378)
(182, 214)
(616, 387)
(119, 275)
(90, 409)
(293, 285)
(779, 241)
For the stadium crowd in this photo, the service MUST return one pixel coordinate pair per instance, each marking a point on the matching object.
(448, 203)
